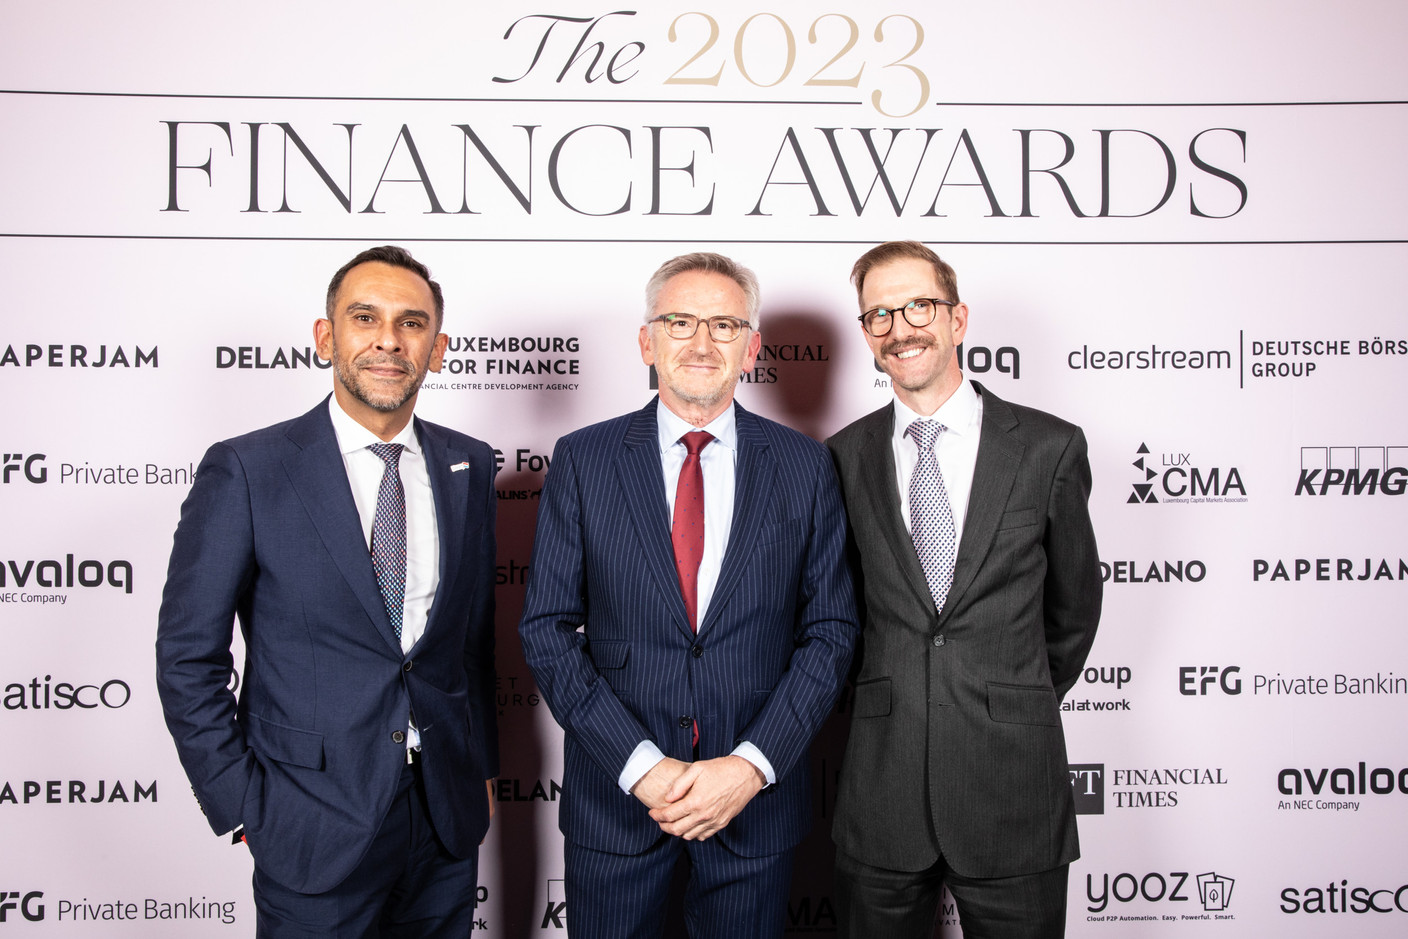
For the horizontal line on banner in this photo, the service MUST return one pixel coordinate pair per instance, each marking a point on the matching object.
(1162, 104)
(727, 241)
(790, 103)
(419, 100)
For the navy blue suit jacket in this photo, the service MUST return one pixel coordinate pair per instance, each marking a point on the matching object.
(308, 758)
(605, 630)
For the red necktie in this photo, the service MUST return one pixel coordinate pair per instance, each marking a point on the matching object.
(687, 530)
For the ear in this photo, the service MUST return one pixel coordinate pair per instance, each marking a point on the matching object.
(958, 322)
(755, 343)
(322, 338)
(437, 353)
(647, 352)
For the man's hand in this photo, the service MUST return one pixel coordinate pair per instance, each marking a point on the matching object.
(706, 797)
(651, 787)
(489, 785)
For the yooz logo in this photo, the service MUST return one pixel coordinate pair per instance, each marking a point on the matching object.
(1197, 680)
(1214, 890)
(1088, 788)
(31, 467)
(27, 905)
(1181, 481)
(1352, 471)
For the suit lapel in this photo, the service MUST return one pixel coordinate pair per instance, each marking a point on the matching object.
(316, 471)
(643, 494)
(999, 456)
(452, 520)
(754, 478)
(877, 484)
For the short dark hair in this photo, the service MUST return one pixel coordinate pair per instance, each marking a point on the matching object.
(396, 257)
(898, 250)
(710, 263)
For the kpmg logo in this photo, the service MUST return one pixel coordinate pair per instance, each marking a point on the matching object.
(555, 914)
(1352, 471)
(1175, 477)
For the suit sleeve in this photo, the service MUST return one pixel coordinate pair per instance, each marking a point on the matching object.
(212, 565)
(554, 611)
(479, 644)
(825, 634)
(1072, 590)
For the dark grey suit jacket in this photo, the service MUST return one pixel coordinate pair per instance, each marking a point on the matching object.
(956, 747)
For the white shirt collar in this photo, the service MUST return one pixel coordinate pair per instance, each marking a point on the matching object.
(959, 413)
(352, 436)
(671, 427)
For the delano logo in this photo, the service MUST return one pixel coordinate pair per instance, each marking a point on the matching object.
(1352, 471)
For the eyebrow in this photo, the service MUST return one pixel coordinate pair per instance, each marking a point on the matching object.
(373, 308)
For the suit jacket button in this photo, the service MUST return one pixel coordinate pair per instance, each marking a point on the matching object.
(406, 667)
(697, 651)
(938, 641)
(686, 722)
(398, 736)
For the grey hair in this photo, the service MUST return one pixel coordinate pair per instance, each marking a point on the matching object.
(711, 263)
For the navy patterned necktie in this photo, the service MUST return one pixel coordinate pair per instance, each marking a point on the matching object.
(930, 515)
(389, 534)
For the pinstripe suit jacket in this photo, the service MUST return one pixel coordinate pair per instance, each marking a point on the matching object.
(605, 630)
(956, 745)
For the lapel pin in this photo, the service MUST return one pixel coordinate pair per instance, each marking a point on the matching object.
(459, 466)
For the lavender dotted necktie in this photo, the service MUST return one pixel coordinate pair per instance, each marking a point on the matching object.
(389, 534)
(930, 516)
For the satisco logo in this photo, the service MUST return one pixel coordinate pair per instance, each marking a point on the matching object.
(1174, 477)
(1352, 471)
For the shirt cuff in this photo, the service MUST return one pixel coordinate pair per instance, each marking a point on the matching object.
(642, 761)
(755, 756)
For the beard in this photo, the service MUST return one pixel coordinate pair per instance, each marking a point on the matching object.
(381, 398)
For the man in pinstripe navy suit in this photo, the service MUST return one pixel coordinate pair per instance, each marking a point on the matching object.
(689, 680)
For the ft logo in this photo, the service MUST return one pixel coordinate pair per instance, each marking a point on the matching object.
(16, 462)
(28, 905)
(1200, 679)
(555, 915)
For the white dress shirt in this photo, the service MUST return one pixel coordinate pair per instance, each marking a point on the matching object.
(956, 449)
(364, 473)
(717, 462)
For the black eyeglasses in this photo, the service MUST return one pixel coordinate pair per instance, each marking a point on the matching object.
(919, 312)
(685, 325)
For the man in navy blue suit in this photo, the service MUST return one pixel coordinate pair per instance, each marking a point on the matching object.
(689, 680)
(355, 545)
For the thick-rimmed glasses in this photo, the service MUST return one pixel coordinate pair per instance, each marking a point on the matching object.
(685, 325)
(919, 312)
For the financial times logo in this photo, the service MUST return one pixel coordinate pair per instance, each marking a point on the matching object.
(1088, 788)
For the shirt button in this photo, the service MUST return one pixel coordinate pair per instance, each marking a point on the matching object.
(686, 722)
(398, 736)
(938, 641)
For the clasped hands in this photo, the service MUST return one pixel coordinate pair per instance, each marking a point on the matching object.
(696, 800)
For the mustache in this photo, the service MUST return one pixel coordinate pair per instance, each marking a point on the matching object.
(896, 346)
(378, 361)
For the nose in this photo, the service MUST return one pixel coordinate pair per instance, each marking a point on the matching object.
(702, 342)
(387, 338)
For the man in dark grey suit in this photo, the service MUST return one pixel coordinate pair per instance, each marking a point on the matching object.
(980, 594)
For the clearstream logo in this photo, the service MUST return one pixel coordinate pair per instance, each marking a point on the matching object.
(1179, 480)
(1352, 471)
